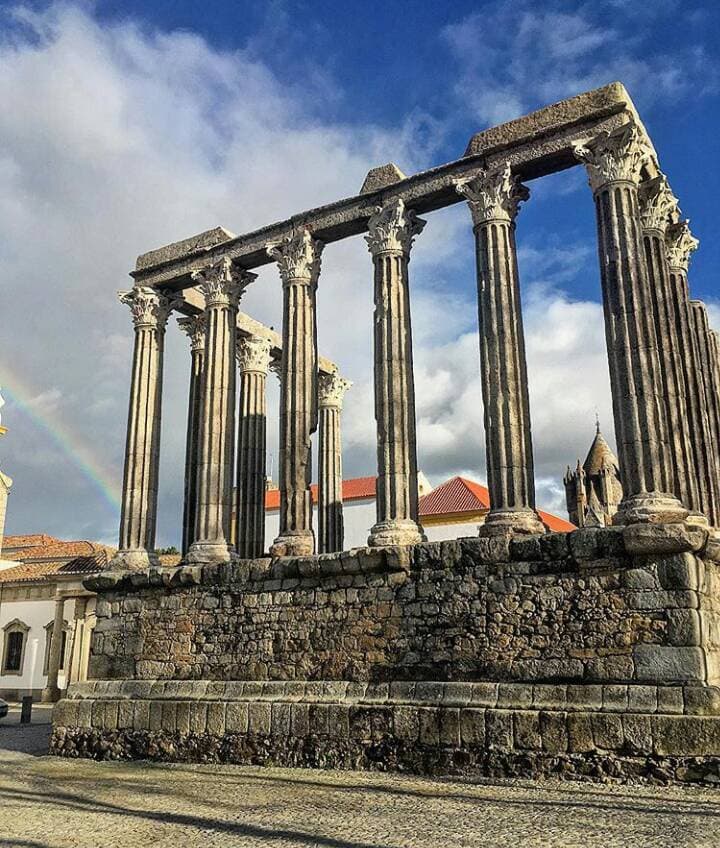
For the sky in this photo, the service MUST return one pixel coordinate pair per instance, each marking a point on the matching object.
(128, 125)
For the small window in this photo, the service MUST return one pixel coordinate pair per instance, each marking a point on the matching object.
(14, 649)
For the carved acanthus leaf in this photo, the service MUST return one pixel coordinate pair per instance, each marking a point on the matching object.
(493, 195)
(194, 327)
(148, 307)
(680, 243)
(658, 205)
(298, 257)
(253, 354)
(392, 228)
(331, 390)
(613, 157)
(223, 284)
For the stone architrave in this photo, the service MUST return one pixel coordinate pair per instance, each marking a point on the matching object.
(331, 392)
(138, 518)
(706, 360)
(614, 163)
(194, 326)
(657, 207)
(253, 355)
(298, 260)
(222, 286)
(493, 197)
(391, 230)
(680, 244)
(51, 692)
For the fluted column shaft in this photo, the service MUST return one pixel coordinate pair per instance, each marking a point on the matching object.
(138, 516)
(51, 692)
(253, 362)
(391, 230)
(657, 205)
(195, 329)
(493, 197)
(331, 391)
(298, 261)
(680, 244)
(614, 164)
(706, 361)
(222, 286)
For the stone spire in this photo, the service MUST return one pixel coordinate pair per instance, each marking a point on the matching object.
(593, 490)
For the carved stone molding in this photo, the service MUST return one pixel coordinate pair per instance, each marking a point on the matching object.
(493, 195)
(613, 157)
(298, 257)
(392, 228)
(223, 284)
(331, 390)
(148, 307)
(680, 244)
(194, 327)
(253, 354)
(658, 205)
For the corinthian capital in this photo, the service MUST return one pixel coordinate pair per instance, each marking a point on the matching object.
(194, 327)
(331, 390)
(298, 257)
(493, 195)
(613, 157)
(148, 307)
(253, 354)
(223, 284)
(658, 205)
(680, 244)
(392, 228)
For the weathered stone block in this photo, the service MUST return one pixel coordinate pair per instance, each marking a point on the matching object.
(450, 726)
(141, 715)
(584, 696)
(514, 695)
(406, 724)
(688, 736)
(499, 729)
(216, 718)
(638, 733)
(584, 544)
(702, 700)
(198, 717)
(662, 664)
(683, 627)
(155, 716)
(182, 718)
(526, 725)
(678, 572)
(300, 720)
(615, 698)
(642, 699)
(429, 725)
(485, 694)
(472, 727)
(607, 731)
(338, 721)
(670, 699)
(580, 733)
(237, 717)
(554, 732)
(260, 718)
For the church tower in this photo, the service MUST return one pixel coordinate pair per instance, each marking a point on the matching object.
(593, 490)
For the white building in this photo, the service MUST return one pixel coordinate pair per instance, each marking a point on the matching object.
(38, 575)
(452, 510)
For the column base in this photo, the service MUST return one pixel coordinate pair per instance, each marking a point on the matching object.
(521, 521)
(134, 560)
(207, 553)
(650, 507)
(50, 695)
(403, 531)
(697, 519)
(293, 543)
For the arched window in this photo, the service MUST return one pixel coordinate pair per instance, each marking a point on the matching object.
(48, 646)
(14, 641)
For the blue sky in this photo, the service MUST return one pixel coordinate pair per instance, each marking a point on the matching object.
(128, 125)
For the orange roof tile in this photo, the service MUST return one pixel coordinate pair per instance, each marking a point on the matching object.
(453, 496)
(355, 489)
(36, 571)
(31, 540)
(553, 522)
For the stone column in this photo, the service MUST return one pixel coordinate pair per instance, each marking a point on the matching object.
(74, 672)
(614, 162)
(253, 355)
(493, 197)
(222, 286)
(138, 515)
(657, 207)
(298, 260)
(706, 363)
(51, 692)
(331, 391)
(680, 243)
(194, 326)
(391, 231)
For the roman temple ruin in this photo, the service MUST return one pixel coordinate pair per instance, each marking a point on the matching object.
(518, 651)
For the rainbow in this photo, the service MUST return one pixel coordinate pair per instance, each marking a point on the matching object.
(102, 477)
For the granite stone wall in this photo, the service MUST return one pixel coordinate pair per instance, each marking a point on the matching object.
(605, 605)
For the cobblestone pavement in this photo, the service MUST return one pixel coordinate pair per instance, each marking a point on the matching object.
(53, 803)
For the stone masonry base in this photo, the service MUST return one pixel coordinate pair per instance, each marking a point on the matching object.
(596, 732)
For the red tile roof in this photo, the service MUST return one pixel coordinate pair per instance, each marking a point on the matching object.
(459, 495)
(37, 571)
(31, 540)
(356, 489)
(40, 556)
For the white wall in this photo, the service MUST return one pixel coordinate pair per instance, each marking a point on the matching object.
(358, 518)
(35, 614)
(440, 532)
